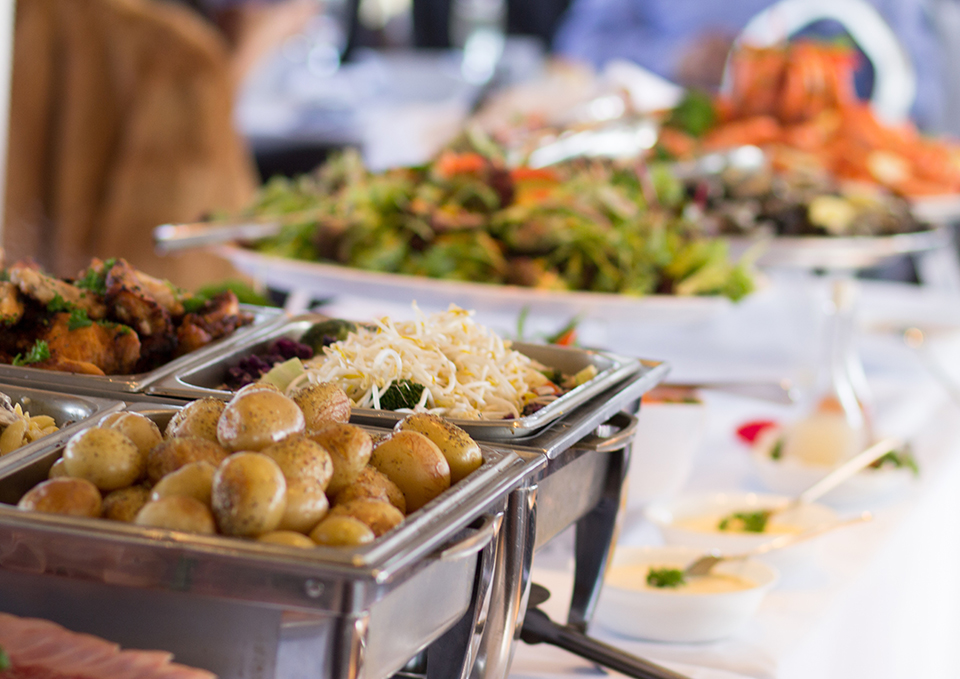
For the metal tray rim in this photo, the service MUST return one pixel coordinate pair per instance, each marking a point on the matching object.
(121, 384)
(619, 369)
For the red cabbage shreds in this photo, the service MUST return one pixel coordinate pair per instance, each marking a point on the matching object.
(289, 348)
(247, 371)
(251, 368)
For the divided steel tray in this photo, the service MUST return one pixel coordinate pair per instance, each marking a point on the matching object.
(202, 378)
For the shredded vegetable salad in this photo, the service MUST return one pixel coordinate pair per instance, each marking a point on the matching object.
(467, 371)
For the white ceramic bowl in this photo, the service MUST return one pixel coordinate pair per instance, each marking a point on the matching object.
(675, 616)
(668, 436)
(792, 477)
(670, 517)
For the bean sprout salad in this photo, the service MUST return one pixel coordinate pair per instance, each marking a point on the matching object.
(466, 371)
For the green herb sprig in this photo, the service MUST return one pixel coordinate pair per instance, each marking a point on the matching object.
(665, 577)
(39, 352)
(749, 522)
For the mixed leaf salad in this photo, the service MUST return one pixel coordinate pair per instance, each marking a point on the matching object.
(588, 224)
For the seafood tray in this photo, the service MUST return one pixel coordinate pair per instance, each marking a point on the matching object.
(203, 376)
(70, 413)
(263, 317)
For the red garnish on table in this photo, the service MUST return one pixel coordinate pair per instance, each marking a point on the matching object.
(749, 432)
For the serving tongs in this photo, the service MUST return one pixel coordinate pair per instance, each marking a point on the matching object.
(174, 237)
(539, 628)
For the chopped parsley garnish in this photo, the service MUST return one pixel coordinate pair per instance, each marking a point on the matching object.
(96, 281)
(121, 328)
(58, 304)
(401, 394)
(4, 275)
(899, 459)
(40, 351)
(78, 319)
(748, 522)
(777, 451)
(5, 663)
(193, 304)
(665, 577)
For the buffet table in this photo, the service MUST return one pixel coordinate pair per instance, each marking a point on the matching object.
(881, 600)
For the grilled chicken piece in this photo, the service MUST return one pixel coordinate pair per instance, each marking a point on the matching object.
(218, 317)
(132, 303)
(97, 349)
(163, 292)
(45, 289)
(11, 308)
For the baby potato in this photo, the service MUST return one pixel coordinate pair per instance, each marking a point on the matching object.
(380, 516)
(302, 460)
(349, 447)
(372, 485)
(249, 495)
(124, 503)
(140, 429)
(105, 457)
(306, 505)
(194, 479)
(415, 464)
(256, 419)
(256, 386)
(58, 469)
(288, 538)
(197, 418)
(73, 497)
(342, 531)
(462, 452)
(177, 512)
(174, 453)
(322, 404)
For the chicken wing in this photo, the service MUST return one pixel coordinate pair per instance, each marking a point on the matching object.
(96, 349)
(11, 308)
(46, 289)
(218, 317)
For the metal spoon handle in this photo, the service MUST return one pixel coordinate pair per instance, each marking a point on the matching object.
(846, 470)
(793, 538)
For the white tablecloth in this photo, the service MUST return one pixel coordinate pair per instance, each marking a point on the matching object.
(882, 600)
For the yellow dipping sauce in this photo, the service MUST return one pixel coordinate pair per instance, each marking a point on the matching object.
(708, 524)
(634, 577)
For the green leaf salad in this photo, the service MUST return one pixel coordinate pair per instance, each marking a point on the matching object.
(588, 224)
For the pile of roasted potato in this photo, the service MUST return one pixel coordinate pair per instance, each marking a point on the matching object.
(287, 470)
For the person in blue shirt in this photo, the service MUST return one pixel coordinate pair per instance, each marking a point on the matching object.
(687, 41)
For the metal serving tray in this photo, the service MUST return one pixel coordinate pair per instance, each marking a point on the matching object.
(202, 377)
(840, 253)
(263, 317)
(68, 411)
(278, 611)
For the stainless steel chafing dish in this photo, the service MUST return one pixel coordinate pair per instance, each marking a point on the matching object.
(203, 377)
(119, 385)
(272, 611)
(443, 594)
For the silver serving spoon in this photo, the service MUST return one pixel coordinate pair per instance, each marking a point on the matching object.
(704, 564)
(831, 480)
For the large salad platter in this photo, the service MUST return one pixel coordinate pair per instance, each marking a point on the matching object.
(322, 280)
